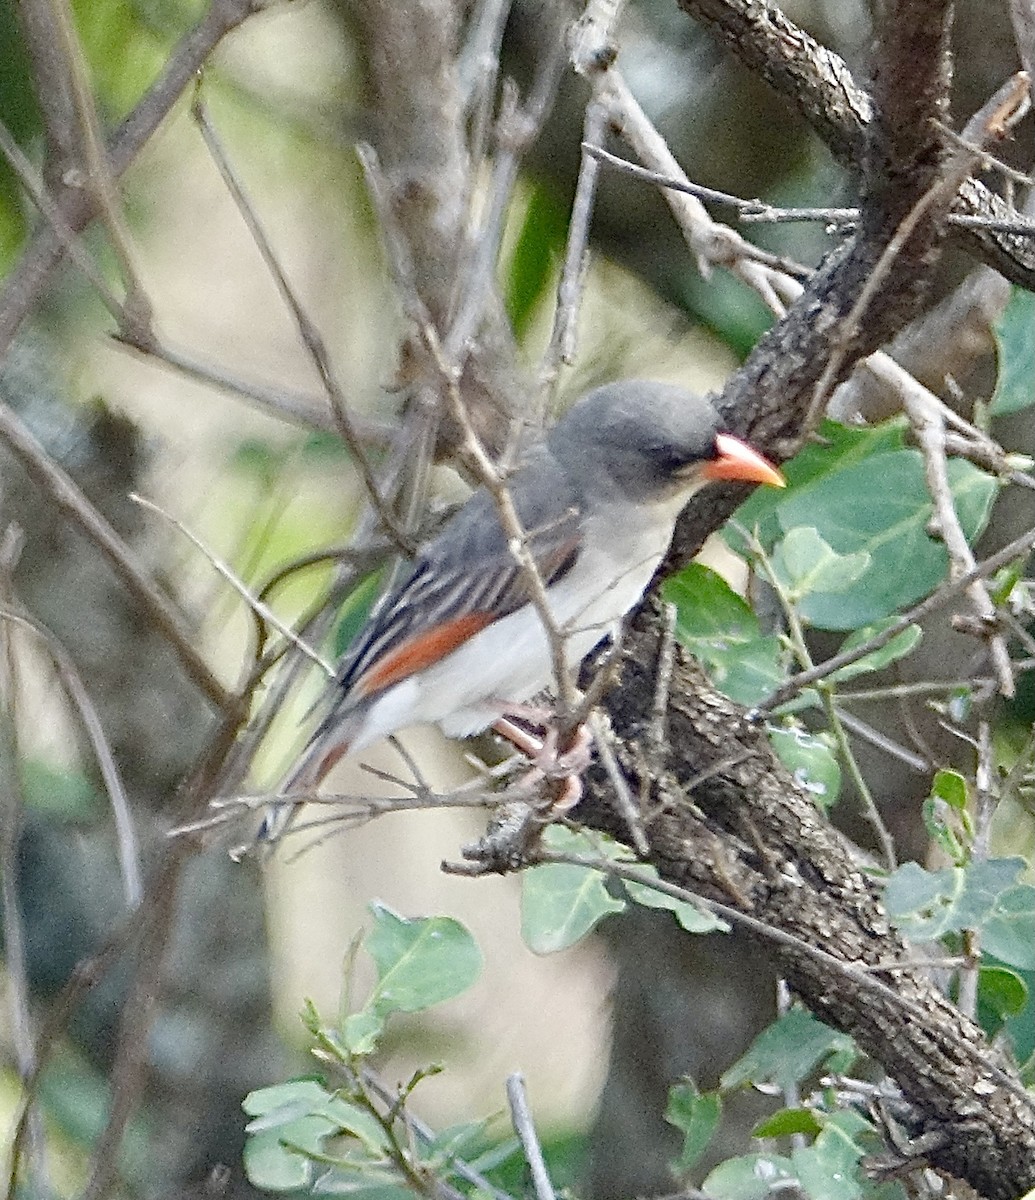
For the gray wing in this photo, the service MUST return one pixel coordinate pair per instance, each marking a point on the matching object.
(465, 578)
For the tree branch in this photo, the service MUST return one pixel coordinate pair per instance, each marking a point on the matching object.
(820, 86)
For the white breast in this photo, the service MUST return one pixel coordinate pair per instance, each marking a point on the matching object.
(509, 661)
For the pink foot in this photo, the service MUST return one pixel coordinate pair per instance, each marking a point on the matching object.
(563, 769)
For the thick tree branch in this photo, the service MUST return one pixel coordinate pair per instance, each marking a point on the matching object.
(819, 84)
(759, 844)
(728, 820)
(416, 98)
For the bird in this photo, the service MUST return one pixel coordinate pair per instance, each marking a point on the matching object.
(458, 641)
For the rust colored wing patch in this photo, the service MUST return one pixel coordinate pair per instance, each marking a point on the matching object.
(418, 652)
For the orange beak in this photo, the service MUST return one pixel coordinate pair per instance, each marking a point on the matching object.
(736, 460)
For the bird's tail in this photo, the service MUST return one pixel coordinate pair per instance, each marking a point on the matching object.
(299, 784)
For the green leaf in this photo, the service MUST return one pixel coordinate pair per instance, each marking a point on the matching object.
(828, 1169)
(900, 645)
(789, 1050)
(285, 1113)
(1009, 932)
(352, 615)
(419, 962)
(750, 1177)
(719, 628)
(560, 903)
(804, 563)
(787, 1122)
(697, 1117)
(61, 795)
(466, 1140)
(1002, 990)
(275, 1167)
(530, 269)
(362, 1030)
(300, 1096)
(950, 829)
(881, 506)
(1015, 350)
(689, 916)
(926, 905)
(122, 50)
(707, 608)
(811, 760)
(950, 787)
(837, 448)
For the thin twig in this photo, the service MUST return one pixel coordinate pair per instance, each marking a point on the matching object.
(796, 633)
(561, 348)
(26, 283)
(428, 1135)
(299, 408)
(524, 1127)
(969, 973)
(126, 838)
(628, 809)
(938, 599)
(517, 537)
(516, 130)
(307, 331)
(923, 412)
(69, 499)
(881, 741)
(51, 213)
(12, 810)
(93, 158)
(657, 732)
(993, 120)
(257, 606)
(775, 279)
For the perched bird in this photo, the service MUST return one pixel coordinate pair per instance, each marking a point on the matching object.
(458, 641)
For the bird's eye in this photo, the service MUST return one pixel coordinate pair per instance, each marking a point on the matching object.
(673, 460)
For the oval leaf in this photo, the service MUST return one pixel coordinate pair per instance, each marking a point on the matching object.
(804, 563)
(881, 506)
(419, 962)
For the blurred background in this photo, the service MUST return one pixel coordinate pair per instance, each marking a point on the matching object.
(288, 95)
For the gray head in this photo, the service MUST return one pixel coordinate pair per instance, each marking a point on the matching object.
(650, 442)
(646, 440)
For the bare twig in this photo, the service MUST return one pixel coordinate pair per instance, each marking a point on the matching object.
(880, 740)
(68, 498)
(993, 120)
(126, 838)
(524, 1127)
(26, 283)
(12, 809)
(573, 270)
(255, 604)
(1022, 13)
(307, 331)
(713, 244)
(628, 809)
(938, 599)
(51, 213)
(428, 1135)
(93, 160)
(298, 408)
(923, 410)
(517, 536)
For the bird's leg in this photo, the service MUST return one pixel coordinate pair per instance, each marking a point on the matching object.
(562, 767)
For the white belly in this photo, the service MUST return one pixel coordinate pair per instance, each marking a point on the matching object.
(509, 661)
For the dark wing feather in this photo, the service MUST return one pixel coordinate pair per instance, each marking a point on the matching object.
(468, 568)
